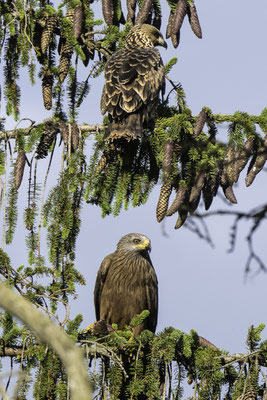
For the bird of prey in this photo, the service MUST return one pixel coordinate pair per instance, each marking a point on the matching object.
(126, 285)
(134, 78)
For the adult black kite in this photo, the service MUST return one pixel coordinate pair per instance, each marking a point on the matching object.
(126, 284)
(134, 78)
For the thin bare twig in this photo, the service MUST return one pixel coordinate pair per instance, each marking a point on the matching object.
(98, 348)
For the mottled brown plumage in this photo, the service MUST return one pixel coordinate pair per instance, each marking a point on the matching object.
(134, 77)
(126, 284)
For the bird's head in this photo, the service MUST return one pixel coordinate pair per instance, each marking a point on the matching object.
(134, 242)
(148, 35)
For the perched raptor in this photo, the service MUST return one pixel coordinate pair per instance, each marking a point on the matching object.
(126, 284)
(134, 77)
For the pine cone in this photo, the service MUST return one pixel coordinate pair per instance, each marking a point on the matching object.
(89, 50)
(183, 213)
(167, 159)
(181, 10)
(19, 169)
(195, 194)
(47, 84)
(228, 166)
(175, 38)
(107, 11)
(47, 33)
(50, 131)
(257, 163)
(241, 157)
(74, 135)
(144, 12)
(77, 22)
(197, 186)
(193, 20)
(64, 131)
(210, 189)
(101, 164)
(178, 201)
(131, 6)
(163, 201)
(64, 62)
(169, 25)
(201, 119)
(229, 193)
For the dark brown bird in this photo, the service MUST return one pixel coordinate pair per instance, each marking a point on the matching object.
(126, 285)
(134, 78)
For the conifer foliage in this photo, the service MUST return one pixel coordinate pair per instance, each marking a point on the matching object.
(180, 152)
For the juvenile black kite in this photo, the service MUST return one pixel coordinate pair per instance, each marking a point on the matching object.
(126, 284)
(134, 77)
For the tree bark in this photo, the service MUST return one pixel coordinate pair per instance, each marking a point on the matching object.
(47, 332)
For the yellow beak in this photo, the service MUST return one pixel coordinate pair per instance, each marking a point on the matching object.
(144, 245)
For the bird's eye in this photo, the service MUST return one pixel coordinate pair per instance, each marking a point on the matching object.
(136, 241)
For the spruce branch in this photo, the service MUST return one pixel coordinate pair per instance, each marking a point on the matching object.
(42, 200)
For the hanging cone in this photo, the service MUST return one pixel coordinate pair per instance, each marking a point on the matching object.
(167, 159)
(201, 119)
(181, 219)
(169, 25)
(64, 131)
(47, 84)
(258, 164)
(180, 13)
(107, 11)
(193, 20)
(19, 169)
(74, 135)
(144, 12)
(47, 33)
(64, 61)
(77, 22)
(163, 201)
(178, 201)
(242, 157)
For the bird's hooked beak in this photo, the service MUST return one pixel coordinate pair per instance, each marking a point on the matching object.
(144, 246)
(162, 43)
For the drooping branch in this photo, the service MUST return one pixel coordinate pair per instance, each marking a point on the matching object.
(49, 333)
(13, 133)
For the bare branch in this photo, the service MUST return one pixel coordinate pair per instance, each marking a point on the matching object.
(12, 134)
(51, 334)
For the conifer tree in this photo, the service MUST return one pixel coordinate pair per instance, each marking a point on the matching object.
(181, 152)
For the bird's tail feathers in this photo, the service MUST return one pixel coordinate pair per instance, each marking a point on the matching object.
(129, 129)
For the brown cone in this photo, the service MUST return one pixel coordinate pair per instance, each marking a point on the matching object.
(47, 33)
(163, 201)
(19, 169)
(77, 22)
(47, 84)
(64, 62)
(194, 21)
(74, 135)
(178, 201)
